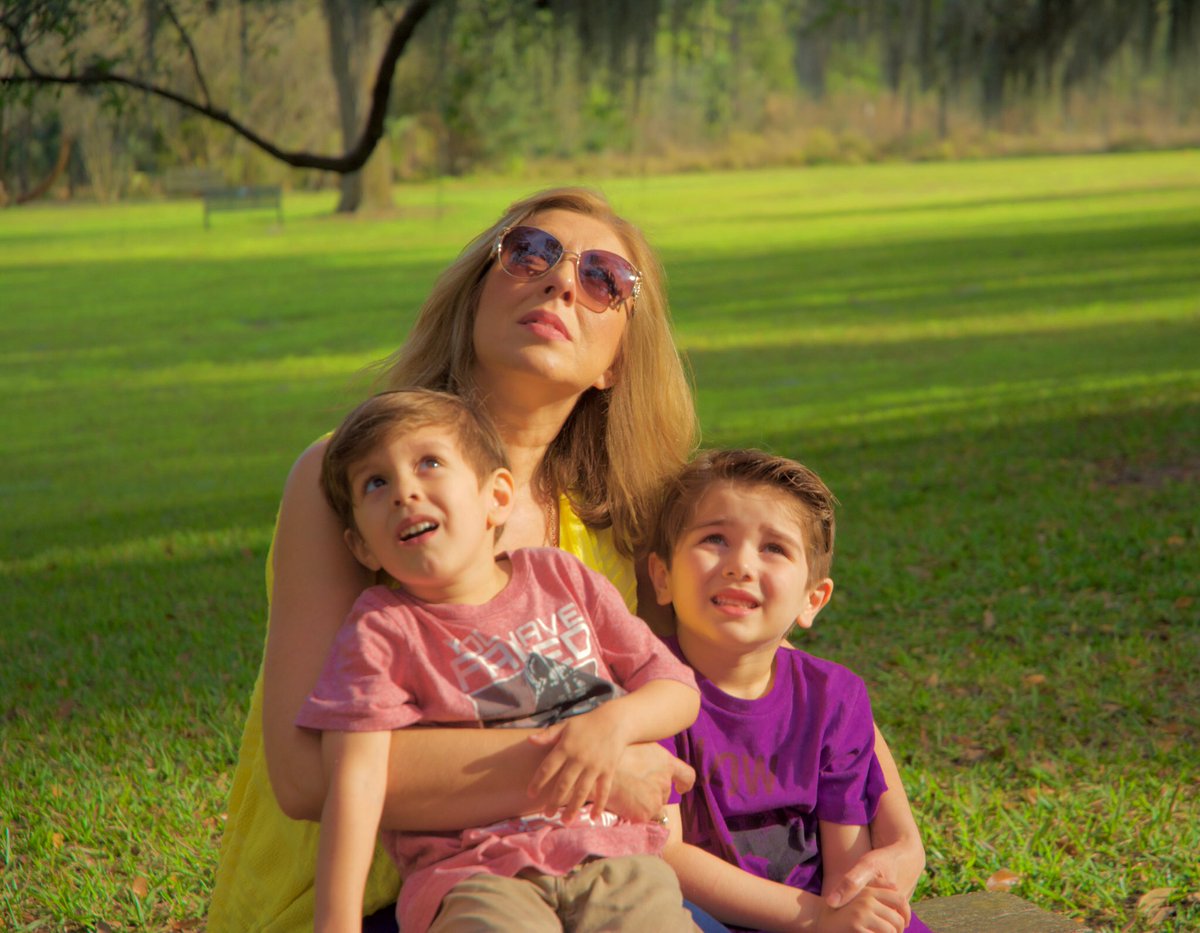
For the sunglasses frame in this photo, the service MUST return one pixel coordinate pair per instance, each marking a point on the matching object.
(498, 249)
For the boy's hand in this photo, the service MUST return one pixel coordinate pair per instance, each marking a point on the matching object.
(874, 910)
(579, 766)
(878, 867)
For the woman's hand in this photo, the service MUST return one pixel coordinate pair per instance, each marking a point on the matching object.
(642, 784)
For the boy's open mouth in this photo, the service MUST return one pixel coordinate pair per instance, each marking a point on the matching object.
(415, 531)
(728, 599)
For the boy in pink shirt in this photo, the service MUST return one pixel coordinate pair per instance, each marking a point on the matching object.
(466, 637)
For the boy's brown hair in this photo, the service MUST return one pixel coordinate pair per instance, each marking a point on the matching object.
(376, 420)
(812, 500)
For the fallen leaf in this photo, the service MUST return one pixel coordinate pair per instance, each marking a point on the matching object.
(1033, 680)
(1003, 880)
(140, 887)
(1176, 541)
(56, 840)
(1184, 602)
(989, 620)
(932, 680)
(1152, 907)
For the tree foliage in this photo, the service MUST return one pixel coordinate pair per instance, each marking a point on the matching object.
(463, 83)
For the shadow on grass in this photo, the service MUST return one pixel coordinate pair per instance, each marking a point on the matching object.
(1037, 523)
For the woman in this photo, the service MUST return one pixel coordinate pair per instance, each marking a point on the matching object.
(556, 320)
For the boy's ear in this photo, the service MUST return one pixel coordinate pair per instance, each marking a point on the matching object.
(660, 578)
(816, 600)
(358, 547)
(503, 493)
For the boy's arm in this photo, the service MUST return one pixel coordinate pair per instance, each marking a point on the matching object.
(732, 895)
(585, 749)
(738, 897)
(356, 767)
(842, 846)
(897, 856)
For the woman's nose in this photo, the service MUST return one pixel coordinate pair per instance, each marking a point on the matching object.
(562, 280)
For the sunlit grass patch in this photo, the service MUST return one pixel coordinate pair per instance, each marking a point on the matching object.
(994, 364)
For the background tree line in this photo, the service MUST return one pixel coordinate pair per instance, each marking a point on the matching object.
(622, 85)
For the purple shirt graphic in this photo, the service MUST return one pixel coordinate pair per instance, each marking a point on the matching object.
(768, 769)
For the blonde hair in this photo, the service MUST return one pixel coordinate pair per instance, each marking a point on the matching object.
(619, 444)
(811, 502)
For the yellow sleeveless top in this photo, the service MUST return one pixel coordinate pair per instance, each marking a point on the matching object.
(267, 864)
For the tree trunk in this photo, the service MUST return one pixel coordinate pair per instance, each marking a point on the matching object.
(60, 164)
(349, 56)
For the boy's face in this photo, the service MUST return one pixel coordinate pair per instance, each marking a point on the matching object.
(425, 517)
(739, 574)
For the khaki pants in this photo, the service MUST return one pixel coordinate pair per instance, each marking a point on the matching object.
(634, 893)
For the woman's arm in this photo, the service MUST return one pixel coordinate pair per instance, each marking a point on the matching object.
(315, 583)
(897, 857)
(437, 779)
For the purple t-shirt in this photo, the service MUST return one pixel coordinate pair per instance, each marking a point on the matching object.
(769, 769)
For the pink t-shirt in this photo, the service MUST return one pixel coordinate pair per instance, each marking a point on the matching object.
(557, 641)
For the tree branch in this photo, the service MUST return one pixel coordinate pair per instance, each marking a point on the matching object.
(351, 161)
(191, 51)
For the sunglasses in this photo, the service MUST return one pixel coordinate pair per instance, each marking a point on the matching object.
(606, 280)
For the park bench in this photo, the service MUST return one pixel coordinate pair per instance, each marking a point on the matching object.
(243, 198)
(990, 912)
(190, 181)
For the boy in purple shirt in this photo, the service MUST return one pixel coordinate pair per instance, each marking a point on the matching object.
(784, 747)
(469, 637)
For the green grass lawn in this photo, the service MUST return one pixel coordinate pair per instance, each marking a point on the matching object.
(996, 366)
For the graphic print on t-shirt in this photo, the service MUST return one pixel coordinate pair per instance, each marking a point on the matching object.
(782, 845)
(544, 671)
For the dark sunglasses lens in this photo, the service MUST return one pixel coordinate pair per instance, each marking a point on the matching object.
(527, 252)
(606, 277)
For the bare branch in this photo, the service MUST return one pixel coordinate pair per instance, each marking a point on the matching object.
(191, 50)
(351, 161)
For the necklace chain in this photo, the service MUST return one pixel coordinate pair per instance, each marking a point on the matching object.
(552, 520)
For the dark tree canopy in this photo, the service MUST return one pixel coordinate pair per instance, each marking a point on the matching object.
(990, 51)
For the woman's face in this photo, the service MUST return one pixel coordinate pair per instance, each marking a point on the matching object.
(534, 336)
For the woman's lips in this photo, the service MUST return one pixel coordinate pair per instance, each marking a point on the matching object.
(546, 325)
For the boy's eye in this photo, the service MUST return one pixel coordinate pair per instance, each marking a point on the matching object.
(713, 538)
(776, 549)
(430, 463)
(373, 482)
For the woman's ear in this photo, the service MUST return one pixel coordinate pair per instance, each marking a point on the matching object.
(660, 578)
(611, 376)
(503, 493)
(815, 600)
